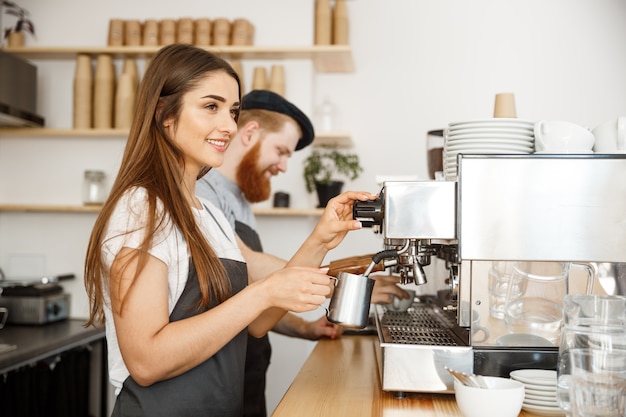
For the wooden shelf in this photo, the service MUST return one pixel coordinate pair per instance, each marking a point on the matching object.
(43, 208)
(326, 58)
(57, 133)
(339, 139)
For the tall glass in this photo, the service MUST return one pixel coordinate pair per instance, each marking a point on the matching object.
(593, 322)
(598, 383)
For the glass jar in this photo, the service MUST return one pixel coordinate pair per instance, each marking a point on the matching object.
(93, 187)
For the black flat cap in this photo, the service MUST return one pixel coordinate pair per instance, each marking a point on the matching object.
(268, 100)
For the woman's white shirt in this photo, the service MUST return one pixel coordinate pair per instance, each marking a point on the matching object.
(126, 228)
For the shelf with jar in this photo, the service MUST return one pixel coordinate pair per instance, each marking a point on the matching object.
(93, 208)
(326, 58)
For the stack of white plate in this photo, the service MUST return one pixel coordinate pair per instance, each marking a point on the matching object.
(489, 136)
(540, 391)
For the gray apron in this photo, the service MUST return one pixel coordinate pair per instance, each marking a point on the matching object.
(259, 349)
(213, 388)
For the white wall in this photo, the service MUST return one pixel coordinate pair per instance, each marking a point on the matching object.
(420, 64)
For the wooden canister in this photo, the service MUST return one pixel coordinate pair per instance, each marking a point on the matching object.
(277, 79)
(340, 23)
(168, 32)
(221, 32)
(250, 34)
(239, 32)
(238, 67)
(151, 33)
(116, 32)
(185, 30)
(323, 22)
(132, 33)
(83, 92)
(259, 79)
(104, 90)
(130, 68)
(125, 96)
(202, 32)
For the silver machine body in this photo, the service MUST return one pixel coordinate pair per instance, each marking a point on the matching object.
(566, 208)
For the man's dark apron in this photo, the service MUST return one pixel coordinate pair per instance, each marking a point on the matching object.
(259, 349)
(213, 388)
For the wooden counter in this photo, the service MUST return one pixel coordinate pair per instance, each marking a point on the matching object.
(340, 378)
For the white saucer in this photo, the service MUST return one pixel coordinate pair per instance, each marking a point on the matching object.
(570, 152)
(488, 135)
(491, 122)
(539, 395)
(492, 140)
(540, 377)
(542, 403)
(468, 147)
(543, 411)
(548, 389)
(522, 339)
(487, 151)
(523, 130)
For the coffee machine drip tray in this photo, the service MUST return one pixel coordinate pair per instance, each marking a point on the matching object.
(414, 348)
(422, 324)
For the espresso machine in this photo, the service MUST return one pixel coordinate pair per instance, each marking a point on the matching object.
(541, 207)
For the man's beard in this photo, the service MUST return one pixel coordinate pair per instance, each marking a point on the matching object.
(254, 185)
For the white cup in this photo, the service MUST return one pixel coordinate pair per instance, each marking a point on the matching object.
(503, 397)
(479, 333)
(555, 136)
(401, 304)
(610, 136)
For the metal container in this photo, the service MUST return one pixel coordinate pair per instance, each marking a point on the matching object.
(350, 302)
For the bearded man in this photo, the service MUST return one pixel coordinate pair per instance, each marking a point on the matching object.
(270, 129)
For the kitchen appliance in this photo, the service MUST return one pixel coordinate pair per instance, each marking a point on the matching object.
(35, 301)
(18, 92)
(563, 208)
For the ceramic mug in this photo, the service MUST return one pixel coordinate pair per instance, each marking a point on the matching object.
(477, 329)
(555, 136)
(401, 304)
(610, 136)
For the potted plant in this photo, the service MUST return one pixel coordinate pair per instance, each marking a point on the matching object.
(324, 170)
(15, 34)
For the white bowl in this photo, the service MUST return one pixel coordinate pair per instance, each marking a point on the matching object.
(503, 398)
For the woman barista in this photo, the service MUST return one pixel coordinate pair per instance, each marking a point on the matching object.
(163, 270)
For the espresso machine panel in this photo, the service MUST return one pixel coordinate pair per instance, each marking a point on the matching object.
(403, 219)
(542, 208)
(557, 208)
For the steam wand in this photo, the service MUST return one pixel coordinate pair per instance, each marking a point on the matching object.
(390, 254)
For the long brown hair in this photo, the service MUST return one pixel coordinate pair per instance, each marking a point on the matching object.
(152, 161)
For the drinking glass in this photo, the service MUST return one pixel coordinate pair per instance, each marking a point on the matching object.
(539, 310)
(503, 286)
(598, 383)
(591, 322)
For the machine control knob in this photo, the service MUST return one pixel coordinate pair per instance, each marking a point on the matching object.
(370, 213)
